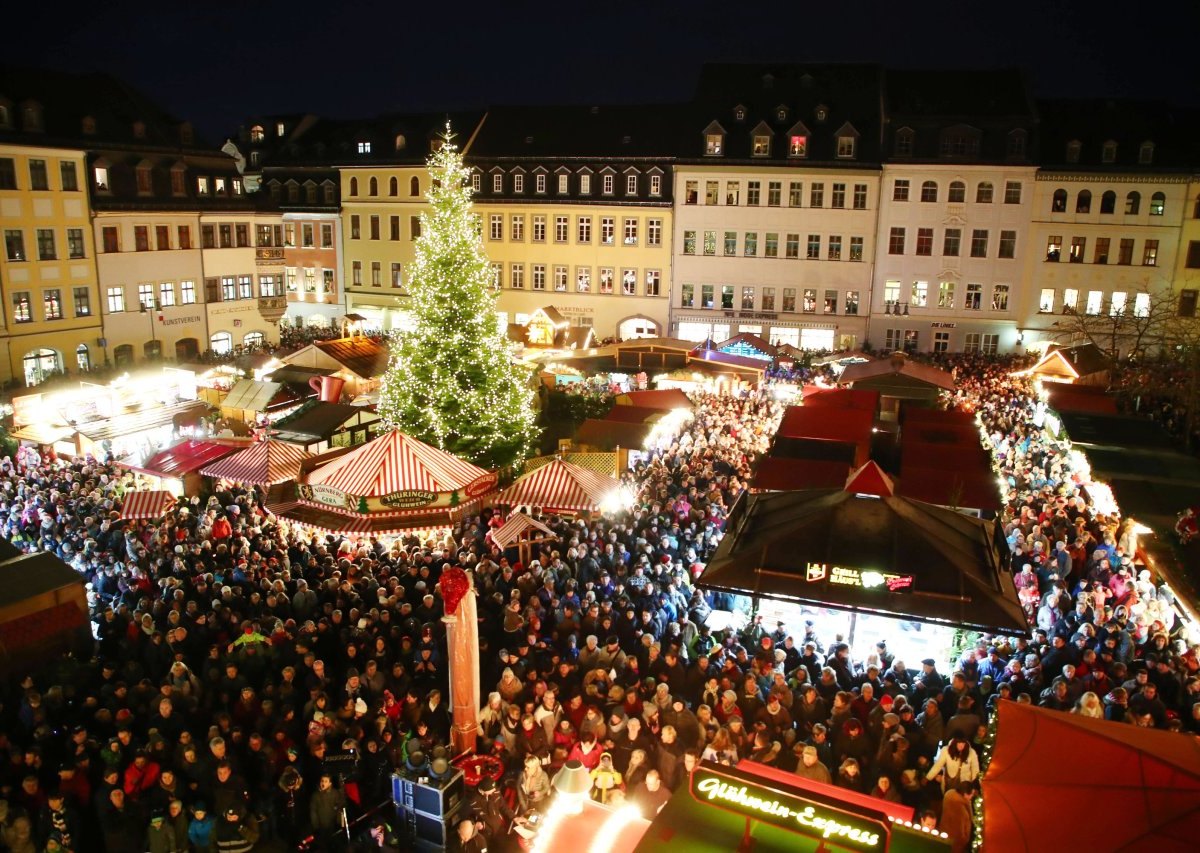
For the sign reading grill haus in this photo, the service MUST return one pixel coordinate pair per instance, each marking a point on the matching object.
(839, 827)
(865, 578)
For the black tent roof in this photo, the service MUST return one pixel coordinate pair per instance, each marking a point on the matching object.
(956, 565)
(29, 575)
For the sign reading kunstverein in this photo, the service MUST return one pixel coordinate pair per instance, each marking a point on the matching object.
(810, 818)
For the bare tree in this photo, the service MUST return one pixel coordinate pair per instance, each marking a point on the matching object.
(1124, 330)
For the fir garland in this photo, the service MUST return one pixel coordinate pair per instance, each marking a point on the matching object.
(985, 758)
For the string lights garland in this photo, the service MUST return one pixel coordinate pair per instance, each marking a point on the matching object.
(452, 381)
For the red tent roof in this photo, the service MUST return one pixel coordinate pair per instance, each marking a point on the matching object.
(260, 464)
(1061, 781)
(777, 474)
(634, 414)
(914, 415)
(183, 458)
(944, 457)
(870, 480)
(967, 487)
(1082, 399)
(559, 487)
(850, 426)
(394, 462)
(665, 400)
(841, 398)
(940, 434)
(153, 504)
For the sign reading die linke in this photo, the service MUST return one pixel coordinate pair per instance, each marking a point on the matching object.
(482, 485)
(807, 817)
(865, 578)
(408, 498)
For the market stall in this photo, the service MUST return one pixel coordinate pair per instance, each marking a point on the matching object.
(390, 485)
(562, 488)
(522, 532)
(149, 504)
(263, 463)
(43, 610)
(1045, 765)
(177, 468)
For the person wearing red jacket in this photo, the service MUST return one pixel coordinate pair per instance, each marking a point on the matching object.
(140, 776)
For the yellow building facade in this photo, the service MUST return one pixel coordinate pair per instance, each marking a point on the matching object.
(51, 316)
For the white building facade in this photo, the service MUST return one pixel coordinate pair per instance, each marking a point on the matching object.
(952, 243)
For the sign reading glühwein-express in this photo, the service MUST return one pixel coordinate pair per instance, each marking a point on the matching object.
(807, 817)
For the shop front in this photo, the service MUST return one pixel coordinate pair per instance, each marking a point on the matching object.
(806, 333)
(237, 324)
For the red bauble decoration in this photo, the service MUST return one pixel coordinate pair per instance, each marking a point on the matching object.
(454, 585)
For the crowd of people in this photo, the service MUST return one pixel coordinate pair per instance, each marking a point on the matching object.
(255, 682)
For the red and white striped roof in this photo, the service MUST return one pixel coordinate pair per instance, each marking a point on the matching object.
(518, 523)
(396, 462)
(138, 505)
(559, 487)
(260, 464)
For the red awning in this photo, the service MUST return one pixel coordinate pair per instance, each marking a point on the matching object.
(183, 458)
(780, 474)
(850, 426)
(841, 398)
(559, 487)
(154, 504)
(1065, 782)
(914, 415)
(261, 464)
(1080, 399)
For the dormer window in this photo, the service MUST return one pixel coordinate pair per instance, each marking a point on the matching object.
(5, 115)
(145, 182)
(905, 139)
(178, 176)
(762, 145)
(562, 184)
(202, 186)
(100, 175)
(1146, 153)
(364, 148)
(631, 185)
(219, 186)
(739, 113)
(31, 117)
(257, 134)
(139, 130)
(821, 112)
(1108, 154)
(186, 135)
(518, 182)
(237, 186)
(498, 182)
(606, 184)
(781, 113)
(279, 128)
(714, 144)
(798, 146)
(1015, 148)
(1073, 149)
(539, 183)
(845, 147)
(585, 184)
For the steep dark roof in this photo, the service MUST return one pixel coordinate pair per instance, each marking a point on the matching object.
(956, 93)
(67, 98)
(849, 93)
(1129, 123)
(577, 131)
(30, 575)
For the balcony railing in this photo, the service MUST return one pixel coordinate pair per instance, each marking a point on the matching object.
(895, 307)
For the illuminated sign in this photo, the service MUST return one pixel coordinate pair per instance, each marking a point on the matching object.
(789, 812)
(408, 498)
(327, 495)
(484, 484)
(865, 578)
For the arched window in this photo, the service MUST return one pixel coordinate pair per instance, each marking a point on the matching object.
(394, 186)
(254, 339)
(1058, 204)
(983, 193)
(354, 186)
(257, 134)
(1108, 202)
(152, 350)
(83, 358)
(414, 186)
(1158, 203)
(1083, 202)
(958, 192)
(929, 191)
(374, 186)
(400, 142)
(1133, 203)
(221, 343)
(123, 355)
(1146, 153)
(40, 365)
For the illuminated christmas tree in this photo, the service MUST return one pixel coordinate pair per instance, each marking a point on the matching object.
(452, 381)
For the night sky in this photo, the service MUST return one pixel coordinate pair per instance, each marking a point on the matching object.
(217, 62)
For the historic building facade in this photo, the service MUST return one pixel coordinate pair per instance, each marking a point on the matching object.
(575, 210)
(776, 200)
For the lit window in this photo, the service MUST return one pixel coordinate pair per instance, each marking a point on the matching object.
(714, 144)
(364, 148)
(845, 147)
